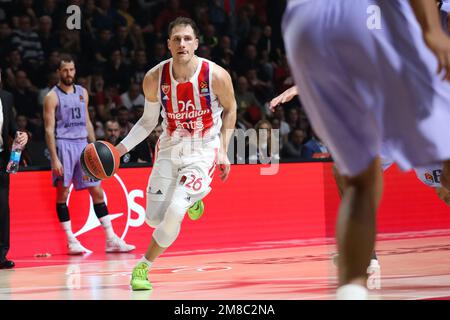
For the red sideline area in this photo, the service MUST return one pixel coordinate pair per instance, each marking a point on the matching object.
(298, 202)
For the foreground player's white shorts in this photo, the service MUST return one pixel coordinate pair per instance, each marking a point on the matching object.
(187, 165)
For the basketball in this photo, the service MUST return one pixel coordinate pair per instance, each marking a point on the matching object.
(100, 160)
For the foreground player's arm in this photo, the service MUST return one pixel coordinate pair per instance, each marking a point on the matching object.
(89, 126)
(149, 119)
(50, 103)
(433, 33)
(444, 195)
(223, 88)
(286, 96)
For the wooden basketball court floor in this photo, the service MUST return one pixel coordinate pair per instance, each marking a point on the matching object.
(413, 266)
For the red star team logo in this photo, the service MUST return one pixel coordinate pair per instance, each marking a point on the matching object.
(165, 88)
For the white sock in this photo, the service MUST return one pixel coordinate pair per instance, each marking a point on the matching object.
(352, 292)
(107, 226)
(147, 262)
(67, 227)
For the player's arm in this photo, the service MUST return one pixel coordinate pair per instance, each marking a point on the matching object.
(223, 88)
(89, 126)
(444, 194)
(286, 96)
(433, 33)
(50, 104)
(145, 125)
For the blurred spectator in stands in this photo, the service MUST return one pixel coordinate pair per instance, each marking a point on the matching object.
(103, 46)
(112, 132)
(138, 38)
(123, 42)
(282, 75)
(70, 41)
(200, 12)
(96, 123)
(139, 67)
(25, 8)
(276, 124)
(293, 118)
(267, 67)
(51, 9)
(304, 122)
(293, 149)
(88, 13)
(315, 149)
(123, 117)
(266, 42)
(137, 112)
(107, 101)
(242, 25)
(248, 61)
(123, 7)
(25, 100)
(263, 89)
(14, 64)
(223, 51)
(248, 107)
(168, 14)
(117, 72)
(51, 64)
(261, 145)
(48, 38)
(159, 53)
(209, 37)
(217, 15)
(133, 96)
(145, 151)
(52, 80)
(106, 17)
(25, 96)
(204, 51)
(279, 114)
(28, 43)
(5, 40)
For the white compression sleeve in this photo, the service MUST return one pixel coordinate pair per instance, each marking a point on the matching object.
(144, 126)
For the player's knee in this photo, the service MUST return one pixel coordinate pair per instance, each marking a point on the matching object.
(155, 211)
(153, 221)
(167, 231)
(96, 194)
(62, 194)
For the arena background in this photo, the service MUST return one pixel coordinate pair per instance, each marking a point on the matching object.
(295, 207)
(117, 42)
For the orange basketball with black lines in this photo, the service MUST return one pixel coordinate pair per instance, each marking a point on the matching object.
(100, 160)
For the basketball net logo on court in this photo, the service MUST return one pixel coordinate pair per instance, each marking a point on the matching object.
(123, 209)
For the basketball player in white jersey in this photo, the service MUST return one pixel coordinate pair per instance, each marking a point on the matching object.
(191, 94)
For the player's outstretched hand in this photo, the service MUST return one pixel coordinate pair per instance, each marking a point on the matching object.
(286, 96)
(224, 165)
(439, 43)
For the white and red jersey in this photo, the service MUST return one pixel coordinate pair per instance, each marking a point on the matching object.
(189, 109)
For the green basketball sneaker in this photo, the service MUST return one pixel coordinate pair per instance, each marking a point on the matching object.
(139, 280)
(196, 211)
